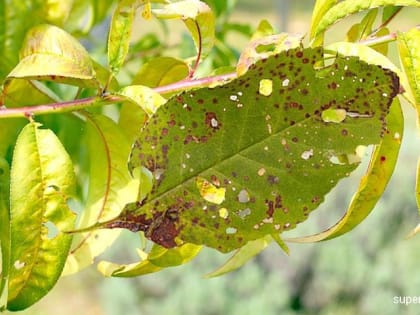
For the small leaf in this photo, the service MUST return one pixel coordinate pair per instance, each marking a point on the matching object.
(373, 183)
(321, 7)
(241, 256)
(198, 18)
(408, 46)
(42, 178)
(156, 260)
(345, 8)
(161, 71)
(57, 11)
(4, 231)
(147, 99)
(364, 28)
(49, 53)
(110, 188)
(266, 151)
(119, 34)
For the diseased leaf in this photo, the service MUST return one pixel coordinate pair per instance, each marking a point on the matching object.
(199, 19)
(119, 34)
(4, 230)
(242, 256)
(156, 260)
(42, 178)
(49, 53)
(265, 150)
(369, 55)
(373, 183)
(110, 188)
(326, 18)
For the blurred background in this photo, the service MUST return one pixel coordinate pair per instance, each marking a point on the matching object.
(358, 273)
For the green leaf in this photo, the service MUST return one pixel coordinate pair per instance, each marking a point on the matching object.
(408, 46)
(35, 93)
(345, 8)
(57, 11)
(156, 260)
(119, 34)
(161, 71)
(9, 131)
(373, 183)
(4, 230)
(364, 28)
(110, 188)
(242, 256)
(42, 178)
(147, 99)
(260, 140)
(49, 53)
(199, 19)
(321, 7)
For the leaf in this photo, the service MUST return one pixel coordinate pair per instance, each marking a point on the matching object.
(57, 11)
(408, 46)
(373, 183)
(35, 93)
(42, 178)
(147, 99)
(364, 28)
(321, 7)
(369, 55)
(266, 150)
(141, 103)
(110, 188)
(198, 18)
(264, 47)
(348, 7)
(161, 71)
(51, 54)
(155, 261)
(119, 34)
(242, 256)
(4, 230)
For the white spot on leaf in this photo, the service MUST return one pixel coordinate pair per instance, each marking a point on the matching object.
(306, 155)
(243, 196)
(231, 230)
(285, 82)
(19, 264)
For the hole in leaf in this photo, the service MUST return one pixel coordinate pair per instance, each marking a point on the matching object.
(334, 115)
(52, 230)
(209, 191)
(265, 48)
(223, 213)
(18, 264)
(266, 87)
(306, 155)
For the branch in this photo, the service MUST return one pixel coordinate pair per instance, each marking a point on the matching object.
(83, 103)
